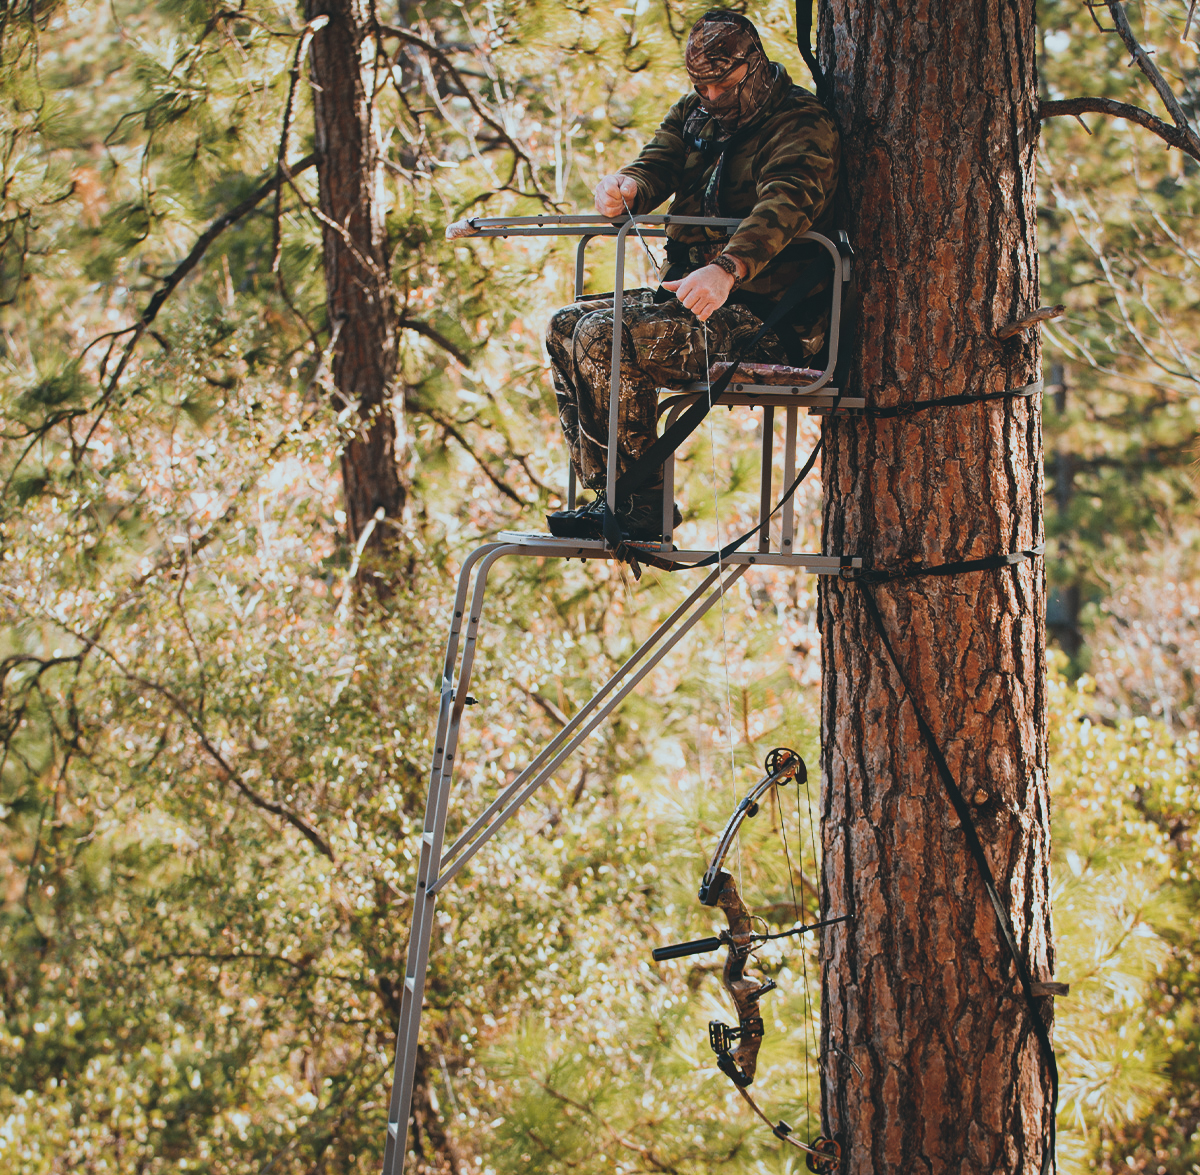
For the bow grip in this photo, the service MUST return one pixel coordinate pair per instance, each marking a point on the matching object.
(698, 946)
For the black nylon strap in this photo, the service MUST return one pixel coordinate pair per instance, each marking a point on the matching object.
(947, 401)
(975, 845)
(651, 461)
(959, 567)
(804, 44)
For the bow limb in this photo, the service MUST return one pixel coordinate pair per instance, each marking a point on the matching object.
(824, 1153)
(782, 763)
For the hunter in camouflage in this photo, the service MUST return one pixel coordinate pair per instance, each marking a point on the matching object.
(745, 143)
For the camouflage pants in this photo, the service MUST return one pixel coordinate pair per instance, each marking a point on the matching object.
(662, 346)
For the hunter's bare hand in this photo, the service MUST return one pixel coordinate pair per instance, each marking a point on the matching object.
(703, 290)
(609, 192)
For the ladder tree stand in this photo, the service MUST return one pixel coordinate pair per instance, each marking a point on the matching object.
(789, 389)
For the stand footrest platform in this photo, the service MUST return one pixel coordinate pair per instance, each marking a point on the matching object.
(549, 545)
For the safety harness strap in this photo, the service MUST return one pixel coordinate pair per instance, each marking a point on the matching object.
(975, 846)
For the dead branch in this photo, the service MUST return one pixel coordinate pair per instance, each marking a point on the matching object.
(1117, 11)
(311, 29)
(1185, 140)
(443, 58)
(544, 704)
(434, 335)
(226, 770)
(448, 426)
(1041, 314)
(185, 267)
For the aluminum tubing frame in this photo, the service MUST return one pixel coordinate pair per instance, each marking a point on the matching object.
(435, 870)
(432, 871)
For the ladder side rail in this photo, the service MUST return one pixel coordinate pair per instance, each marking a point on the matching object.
(577, 719)
(732, 575)
(787, 535)
(463, 681)
(445, 687)
(460, 599)
(412, 990)
(766, 491)
(412, 1001)
(453, 701)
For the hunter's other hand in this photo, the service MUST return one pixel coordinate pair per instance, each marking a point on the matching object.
(609, 192)
(703, 290)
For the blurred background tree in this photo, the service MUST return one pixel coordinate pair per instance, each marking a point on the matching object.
(215, 748)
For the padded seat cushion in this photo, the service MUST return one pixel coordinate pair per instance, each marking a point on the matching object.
(774, 374)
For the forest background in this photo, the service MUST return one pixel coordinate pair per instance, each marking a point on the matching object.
(218, 690)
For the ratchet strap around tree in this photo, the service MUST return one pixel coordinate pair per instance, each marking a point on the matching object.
(963, 811)
(948, 401)
(958, 567)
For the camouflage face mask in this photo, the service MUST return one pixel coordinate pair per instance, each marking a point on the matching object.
(719, 44)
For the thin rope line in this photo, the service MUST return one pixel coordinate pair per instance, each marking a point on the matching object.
(712, 445)
(637, 228)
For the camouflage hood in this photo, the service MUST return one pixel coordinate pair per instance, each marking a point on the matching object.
(720, 43)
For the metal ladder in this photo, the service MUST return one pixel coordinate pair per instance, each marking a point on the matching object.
(438, 865)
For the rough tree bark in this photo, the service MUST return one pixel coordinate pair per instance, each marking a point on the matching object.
(938, 106)
(357, 276)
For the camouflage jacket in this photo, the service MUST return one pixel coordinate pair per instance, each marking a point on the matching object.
(780, 175)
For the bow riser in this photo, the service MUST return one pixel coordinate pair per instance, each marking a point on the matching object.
(744, 991)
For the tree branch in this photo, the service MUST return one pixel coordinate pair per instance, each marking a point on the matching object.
(434, 335)
(434, 51)
(1185, 139)
(186, 266)
(206, 238)
(225, 769)
(448, 426)
(1117, 11)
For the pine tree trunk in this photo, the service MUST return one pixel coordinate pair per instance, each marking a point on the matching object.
(937, 102)
(357, 277)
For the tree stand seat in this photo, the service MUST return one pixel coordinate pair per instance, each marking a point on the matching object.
(774, 375)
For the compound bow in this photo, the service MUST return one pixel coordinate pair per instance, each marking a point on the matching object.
(737, 1048)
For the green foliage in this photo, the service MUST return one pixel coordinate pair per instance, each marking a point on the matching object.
(215, 755)
(1125, 801)
(1120, 219)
